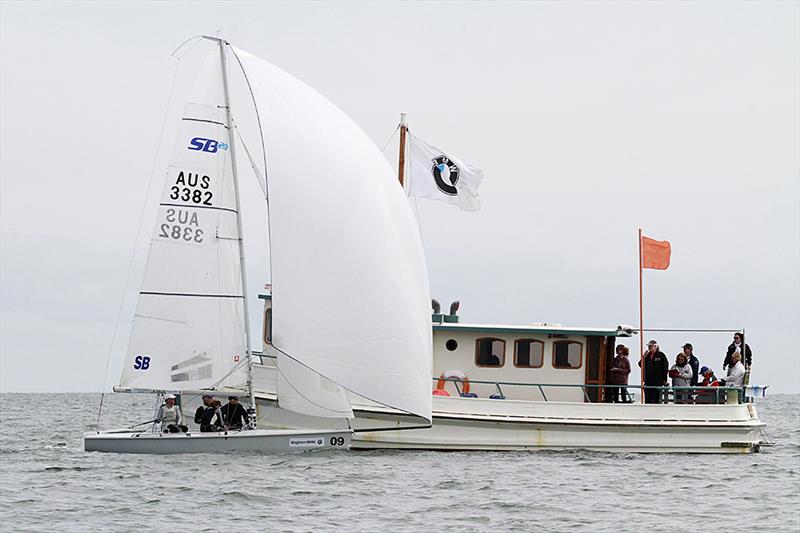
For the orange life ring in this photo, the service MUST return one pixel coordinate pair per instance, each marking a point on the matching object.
(451, 376)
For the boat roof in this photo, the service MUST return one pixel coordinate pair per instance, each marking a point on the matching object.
(541, 329)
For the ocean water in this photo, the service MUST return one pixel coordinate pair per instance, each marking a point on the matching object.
(48, 483)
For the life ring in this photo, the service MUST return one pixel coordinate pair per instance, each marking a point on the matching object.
(451, 376)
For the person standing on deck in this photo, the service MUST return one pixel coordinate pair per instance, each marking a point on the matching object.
(693, 361)
(738, 346)
(656, 368)
(681, 374)
(620, 370)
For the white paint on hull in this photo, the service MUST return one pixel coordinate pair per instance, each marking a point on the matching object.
(259, 440)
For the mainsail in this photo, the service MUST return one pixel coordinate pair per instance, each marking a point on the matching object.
(350, 287)
(188, 331)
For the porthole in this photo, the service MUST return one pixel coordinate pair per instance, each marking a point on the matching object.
(451, 344)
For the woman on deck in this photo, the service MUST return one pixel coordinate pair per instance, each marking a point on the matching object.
(681, 374)
(620, 370)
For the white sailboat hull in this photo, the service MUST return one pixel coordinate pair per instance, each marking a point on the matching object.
(272, 441)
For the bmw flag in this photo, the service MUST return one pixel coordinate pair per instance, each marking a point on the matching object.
(436, 175)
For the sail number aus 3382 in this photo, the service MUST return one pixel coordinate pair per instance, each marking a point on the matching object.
(192, 188)
(181, 225)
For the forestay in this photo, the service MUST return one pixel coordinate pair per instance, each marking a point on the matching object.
(350, 288)
(188, 330)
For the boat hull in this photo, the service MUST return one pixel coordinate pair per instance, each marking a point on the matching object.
(477, 424)
(259, 440)
(498, 425)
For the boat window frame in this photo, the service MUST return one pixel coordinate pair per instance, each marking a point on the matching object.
(566, 341)
(267, 334)
(516, 343)
(477, 352)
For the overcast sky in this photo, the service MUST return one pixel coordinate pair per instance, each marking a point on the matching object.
(589, 120)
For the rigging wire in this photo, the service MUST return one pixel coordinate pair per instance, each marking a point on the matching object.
(139, 230)
(390, 138)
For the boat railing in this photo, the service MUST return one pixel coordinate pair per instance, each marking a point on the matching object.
(667, 394)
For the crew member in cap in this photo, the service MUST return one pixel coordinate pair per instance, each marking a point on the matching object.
(709, 380)
(694, 362)
(234, 415)
(198, 415)
(171, 417)
(656, 369)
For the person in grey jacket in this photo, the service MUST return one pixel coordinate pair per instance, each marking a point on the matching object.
(681, 374)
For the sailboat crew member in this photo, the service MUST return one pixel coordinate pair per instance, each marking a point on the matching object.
(234, 415)
(198, 415)
(171, 417)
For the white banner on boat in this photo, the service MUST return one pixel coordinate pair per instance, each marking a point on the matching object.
(350, 286)
(188, 330)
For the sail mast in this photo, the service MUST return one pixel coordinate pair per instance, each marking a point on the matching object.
(401, 161)
(232, 144)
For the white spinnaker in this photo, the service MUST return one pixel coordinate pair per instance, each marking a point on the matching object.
(302, 390)
(188, 330)
(350, 287)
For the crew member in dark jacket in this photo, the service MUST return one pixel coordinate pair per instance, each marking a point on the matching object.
(198, 415)
(212, 417)
(656, 369)
(693, 362)
(233, 414)
(736, 346)
(620, 370)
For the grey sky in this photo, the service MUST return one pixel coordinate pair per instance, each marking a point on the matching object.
(589, 120)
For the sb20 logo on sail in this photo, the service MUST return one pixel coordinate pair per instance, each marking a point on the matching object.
(206, 145)
(141, 362)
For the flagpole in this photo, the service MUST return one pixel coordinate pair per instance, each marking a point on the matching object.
(401, 161)
(641, 318)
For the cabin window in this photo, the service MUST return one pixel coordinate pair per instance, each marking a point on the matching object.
(268, 326)
(567, 354)
(528, 353)
(451, 345)
(490, 352)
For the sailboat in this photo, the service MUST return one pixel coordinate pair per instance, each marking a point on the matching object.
(350, 296)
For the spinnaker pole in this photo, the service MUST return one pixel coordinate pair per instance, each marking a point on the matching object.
(242, 266)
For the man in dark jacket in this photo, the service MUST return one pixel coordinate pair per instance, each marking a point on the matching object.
(656, 368)
(736, 346)
(233, 414)
(688, 351)
(198, 415)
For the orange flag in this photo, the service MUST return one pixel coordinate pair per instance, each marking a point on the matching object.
(655, 254)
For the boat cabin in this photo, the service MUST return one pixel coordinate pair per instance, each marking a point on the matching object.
(521, 362)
